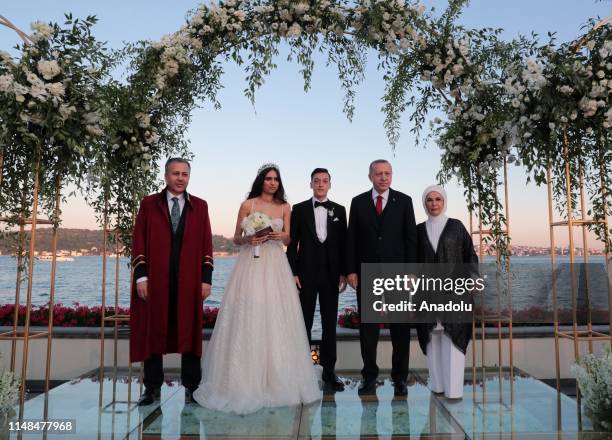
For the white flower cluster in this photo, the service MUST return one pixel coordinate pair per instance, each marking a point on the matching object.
(42, 31)
(395, 30)
(9, 389)
(594, 376)
(174, 52)
(36, 88)
(448, 65)
(214, 25)
(48, 69)
(545, 98)
(137, 145)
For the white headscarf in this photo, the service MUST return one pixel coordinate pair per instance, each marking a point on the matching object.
(435, 224)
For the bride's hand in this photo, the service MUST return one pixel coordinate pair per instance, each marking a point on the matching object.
(275, 236)
(253, 240)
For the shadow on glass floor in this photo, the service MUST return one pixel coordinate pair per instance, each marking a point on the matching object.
(486, 411)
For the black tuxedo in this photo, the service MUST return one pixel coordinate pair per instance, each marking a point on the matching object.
(387, 238)
(319, 266)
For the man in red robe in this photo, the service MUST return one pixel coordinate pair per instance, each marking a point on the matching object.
(173, 264)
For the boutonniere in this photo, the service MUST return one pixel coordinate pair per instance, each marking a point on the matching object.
(331, 214)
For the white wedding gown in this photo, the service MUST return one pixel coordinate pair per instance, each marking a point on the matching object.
(258, 355)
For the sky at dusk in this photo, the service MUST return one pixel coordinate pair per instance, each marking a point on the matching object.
(300, 131)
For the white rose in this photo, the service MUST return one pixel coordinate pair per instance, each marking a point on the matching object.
(6, 82)
(42, 31)
(65, 111)
(294, 31)
(48, 69)
(143, 119)
(56, 89)
(38, 91)
(94, 130)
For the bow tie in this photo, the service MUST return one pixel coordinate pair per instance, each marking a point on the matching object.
(325, 205)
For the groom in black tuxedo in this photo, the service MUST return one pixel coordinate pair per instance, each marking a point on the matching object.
(381, 229)
(317, 257)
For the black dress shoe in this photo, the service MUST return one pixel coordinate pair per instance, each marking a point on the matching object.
(332, 381)
(189, 396)
(149, 396)
(367, 386)
(400, 389)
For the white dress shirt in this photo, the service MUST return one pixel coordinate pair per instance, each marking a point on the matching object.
(181, 202)
(385, 197)
(320, 214)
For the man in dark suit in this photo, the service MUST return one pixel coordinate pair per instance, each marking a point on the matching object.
(381, 229)
(317, 257)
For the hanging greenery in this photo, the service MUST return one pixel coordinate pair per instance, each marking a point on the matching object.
(504, 102)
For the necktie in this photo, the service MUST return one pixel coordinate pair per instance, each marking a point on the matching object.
(175, 214)
(379, 208)
(323, 204)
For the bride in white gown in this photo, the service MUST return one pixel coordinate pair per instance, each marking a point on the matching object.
(258, 355)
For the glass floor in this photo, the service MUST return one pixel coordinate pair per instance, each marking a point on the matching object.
(493, 408)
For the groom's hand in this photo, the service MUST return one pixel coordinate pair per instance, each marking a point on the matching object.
(297, 282)
(341, 284)
(352, 280)
(205, 291)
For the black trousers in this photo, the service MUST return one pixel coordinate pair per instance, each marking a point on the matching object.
(191, 372)
(327, 291)
(400, 341)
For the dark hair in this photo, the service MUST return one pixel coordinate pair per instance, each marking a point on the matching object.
(176, 159)
(319, 170)
(375, 162)
(257, 187)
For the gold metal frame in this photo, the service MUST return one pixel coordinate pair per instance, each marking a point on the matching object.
(575, 334)
(499, 318)
(115, 317)
(26, 335)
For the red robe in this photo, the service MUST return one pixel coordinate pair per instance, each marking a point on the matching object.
(151, 246)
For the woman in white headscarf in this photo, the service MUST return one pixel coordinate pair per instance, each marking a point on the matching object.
(444, 240)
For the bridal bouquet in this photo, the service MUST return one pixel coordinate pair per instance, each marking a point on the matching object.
(258, 224)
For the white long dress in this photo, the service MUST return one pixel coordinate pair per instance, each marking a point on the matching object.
(258, 355)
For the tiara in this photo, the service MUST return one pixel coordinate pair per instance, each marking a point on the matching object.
(267, 165)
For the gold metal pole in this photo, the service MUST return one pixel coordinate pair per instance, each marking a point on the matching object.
(5, 21)
(509, 282)
(1, 165)
(20, 250)
(26, 336)
(52, 289)
(473, 326)
(572, 255)
(483, 335)
(585, 257)
(554, 276)
(116, 321)
(498, 300)
(103, 309)
(604, 196)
